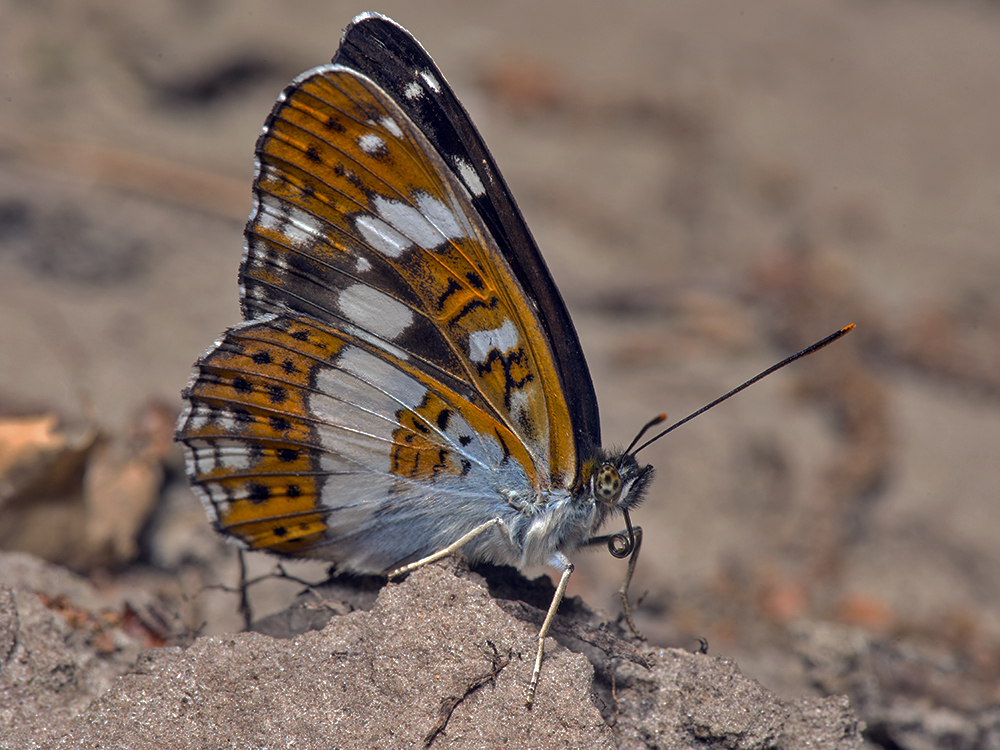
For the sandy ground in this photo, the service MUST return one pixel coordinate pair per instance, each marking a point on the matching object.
(713, 185)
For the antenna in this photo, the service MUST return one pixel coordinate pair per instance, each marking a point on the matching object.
(658, 419)
(774, 368)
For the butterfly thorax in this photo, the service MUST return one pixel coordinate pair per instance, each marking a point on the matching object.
(561, 520)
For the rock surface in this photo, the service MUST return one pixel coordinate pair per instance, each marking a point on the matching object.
(436, 662)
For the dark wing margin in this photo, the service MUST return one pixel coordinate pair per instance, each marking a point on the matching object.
(385, 52)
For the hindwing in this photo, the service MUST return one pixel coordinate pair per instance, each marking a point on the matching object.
(309, 441)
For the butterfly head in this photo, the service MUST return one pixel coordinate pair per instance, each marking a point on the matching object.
(619, 482)
(614, 483)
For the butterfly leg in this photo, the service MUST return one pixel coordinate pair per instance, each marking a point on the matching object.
(631, 542)
(561, 562)
(623, 591)
(449, 550)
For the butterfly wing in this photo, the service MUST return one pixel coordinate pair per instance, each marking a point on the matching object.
(386, 53)
(308, 441)
(394, 382)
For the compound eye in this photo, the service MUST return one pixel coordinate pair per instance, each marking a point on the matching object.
(607, 484)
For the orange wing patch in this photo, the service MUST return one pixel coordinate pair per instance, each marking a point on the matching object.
(250, 444)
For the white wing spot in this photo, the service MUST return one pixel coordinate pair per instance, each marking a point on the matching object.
(370, 143)
(195, 418)
(299, 227)
(381, 236)
(503, 339)
(231, 455)
(375, 311)
(428, 225)
(440, 216)
(413, 90)
(392, 126)
(227, 423)
(381, 374)
(204, 463)
(269, 214)
(362, 265)
(431, 81)
(469, 177)
(280, 262)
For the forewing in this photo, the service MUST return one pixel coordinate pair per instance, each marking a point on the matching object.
(360, 225)
(386, 53)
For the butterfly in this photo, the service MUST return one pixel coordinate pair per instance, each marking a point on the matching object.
(407, 382)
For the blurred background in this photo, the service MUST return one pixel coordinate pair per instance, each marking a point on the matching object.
(714, 185)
